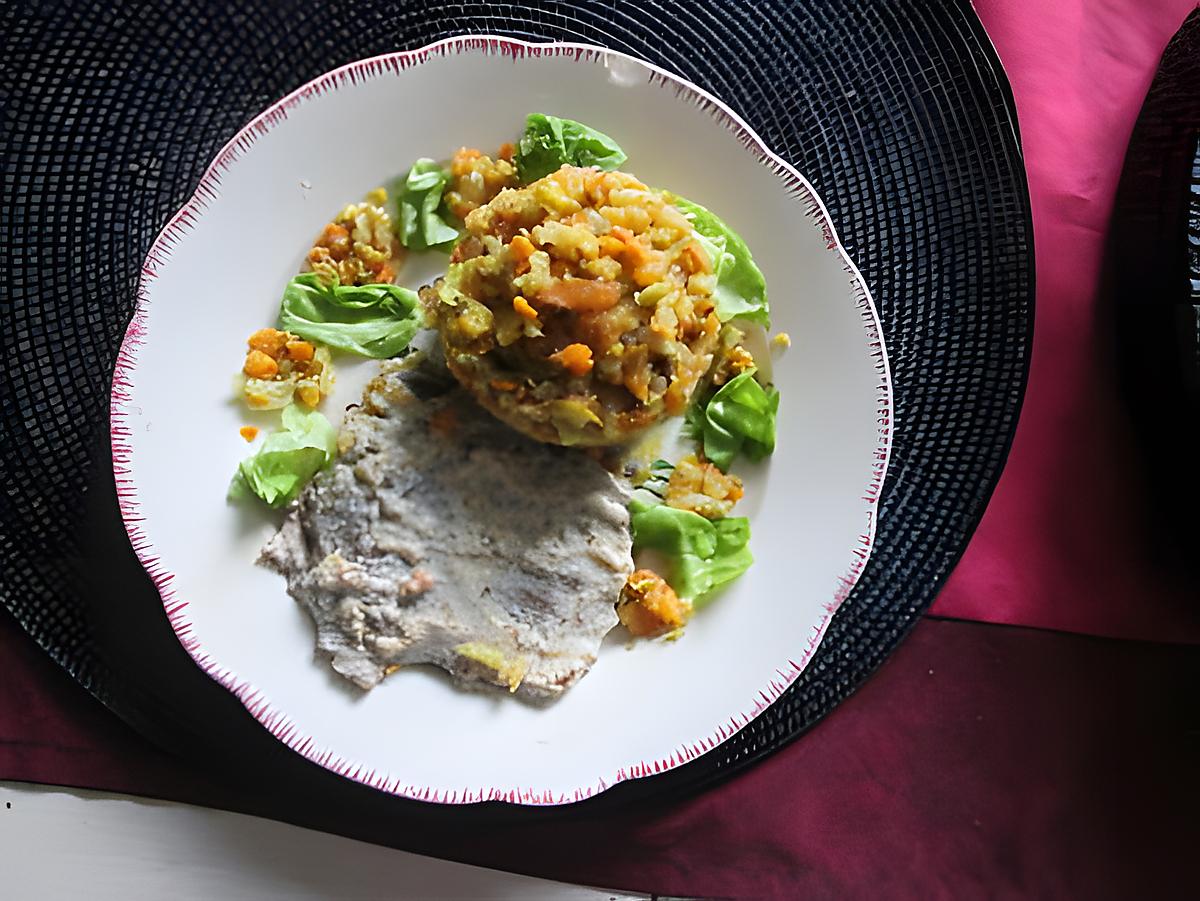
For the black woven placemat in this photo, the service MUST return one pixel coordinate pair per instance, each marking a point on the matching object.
(898, 112)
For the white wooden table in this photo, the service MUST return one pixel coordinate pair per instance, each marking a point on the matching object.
(70, 844)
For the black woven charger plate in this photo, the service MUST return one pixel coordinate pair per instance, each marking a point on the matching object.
(898, 113)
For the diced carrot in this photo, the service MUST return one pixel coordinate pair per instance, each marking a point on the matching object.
(636, 254)
(611, 247)
(337, 239)
(300, 351)
(649, 607)
(270, 341)
(524, 310)
(260, 366)
(504, 385)
(522, 249)
(646, 275)
(248, 432)
(575, 358)
(695, 259)
(581, 295)
(507, 151)
(460, 163)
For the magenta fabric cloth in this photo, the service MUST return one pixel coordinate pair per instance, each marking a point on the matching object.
(1064, 543)
(980, 762)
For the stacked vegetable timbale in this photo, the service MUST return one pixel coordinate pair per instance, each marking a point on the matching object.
(579, 309)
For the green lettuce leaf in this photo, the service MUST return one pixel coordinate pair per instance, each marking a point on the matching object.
(738, 418)
(419, 197)
(549, 141)
(287, 459)
(705, 554)
(741, 289)
(369, 320)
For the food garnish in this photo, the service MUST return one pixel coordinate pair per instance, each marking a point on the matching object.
(704, 554)
(623, 327)
(281, 367)
(701, 487)
(419, 197)
(741, 291)
(649, 607)
(550, 142)
(359, 246)
(738, 418)
(287, 458)
(476, 178)
(374, 320)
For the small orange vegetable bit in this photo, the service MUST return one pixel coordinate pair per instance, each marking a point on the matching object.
(260, 366)
(248, 432)
(649, 607)
(522, 249)
(504, 385)
(521, 305)
(268, 340)
(507, 151)
(300, 351)
(580, 294)
(460, 163)
(611, 247)
(695, 259)
(575, 358)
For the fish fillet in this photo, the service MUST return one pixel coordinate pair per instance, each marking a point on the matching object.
(442, 536)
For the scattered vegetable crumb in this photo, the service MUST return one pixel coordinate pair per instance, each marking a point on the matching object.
(575, 358)
(649, 607)
(701, 487)
(248, 432)
(360, 246)
(280, 366)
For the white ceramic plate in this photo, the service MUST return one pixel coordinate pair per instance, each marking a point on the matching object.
(216, 273)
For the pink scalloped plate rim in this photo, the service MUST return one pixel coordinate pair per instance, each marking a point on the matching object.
(176, 608)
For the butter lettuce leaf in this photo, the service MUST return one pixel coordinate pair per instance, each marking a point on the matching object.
(738, 418)
(704, 554)
(375, 321)
(549, 142)
(419, 198)
(741, 289)
(287, 459)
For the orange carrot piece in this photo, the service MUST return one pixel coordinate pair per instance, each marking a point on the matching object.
(524, 310)
(581, 295)
(575, 358)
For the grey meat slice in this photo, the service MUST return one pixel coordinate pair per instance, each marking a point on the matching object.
(439, 527)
